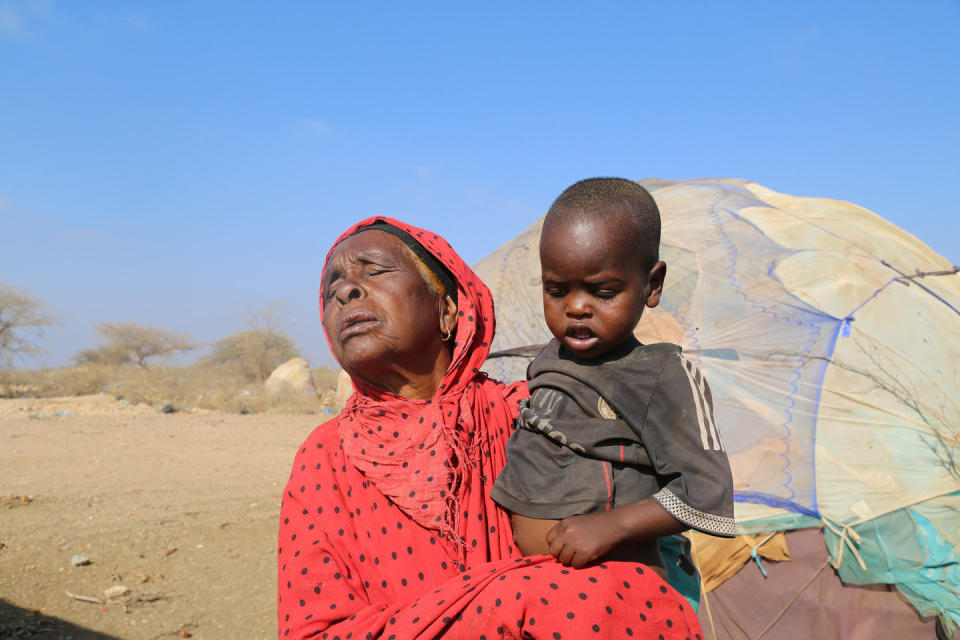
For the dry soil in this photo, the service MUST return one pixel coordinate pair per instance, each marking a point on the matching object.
(181, 509)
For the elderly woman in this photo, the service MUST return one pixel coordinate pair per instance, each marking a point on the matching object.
(387, 526)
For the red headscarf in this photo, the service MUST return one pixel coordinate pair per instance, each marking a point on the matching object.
(417, 452)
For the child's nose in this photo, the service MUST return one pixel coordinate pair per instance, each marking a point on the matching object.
(578, 306)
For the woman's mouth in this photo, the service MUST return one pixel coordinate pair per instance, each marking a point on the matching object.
(580, 338)
(357, 322)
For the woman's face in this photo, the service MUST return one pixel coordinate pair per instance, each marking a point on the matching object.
(378, 311)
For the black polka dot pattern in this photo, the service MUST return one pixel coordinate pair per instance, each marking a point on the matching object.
(357, 559)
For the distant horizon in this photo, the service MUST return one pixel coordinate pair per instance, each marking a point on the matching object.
(192, 357)
(185, 166)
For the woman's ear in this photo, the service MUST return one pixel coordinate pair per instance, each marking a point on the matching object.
(448, 317)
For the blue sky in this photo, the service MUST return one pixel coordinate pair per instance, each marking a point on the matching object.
(184, 164)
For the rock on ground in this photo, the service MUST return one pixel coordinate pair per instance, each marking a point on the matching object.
(292, 375)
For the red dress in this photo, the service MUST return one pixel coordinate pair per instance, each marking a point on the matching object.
(387, 528)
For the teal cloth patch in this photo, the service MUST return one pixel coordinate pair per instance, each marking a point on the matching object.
(682, 575)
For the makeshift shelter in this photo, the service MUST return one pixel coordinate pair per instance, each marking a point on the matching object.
(831, 340)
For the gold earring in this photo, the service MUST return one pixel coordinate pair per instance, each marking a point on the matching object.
(443, 325)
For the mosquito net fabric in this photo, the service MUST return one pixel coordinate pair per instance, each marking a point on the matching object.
(831, 341)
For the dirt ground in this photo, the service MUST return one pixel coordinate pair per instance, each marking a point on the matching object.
(180, 509)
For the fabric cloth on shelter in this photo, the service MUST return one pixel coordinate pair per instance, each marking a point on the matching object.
(831, 339)
(355, 563)
(718, 559)
(804, 598)
(634, 424)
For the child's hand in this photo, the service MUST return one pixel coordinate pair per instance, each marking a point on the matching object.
(579, 540)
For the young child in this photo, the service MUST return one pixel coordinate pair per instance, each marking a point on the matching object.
(617, 445)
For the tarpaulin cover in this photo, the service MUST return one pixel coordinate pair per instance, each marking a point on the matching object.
(831, 340)
(804, 598)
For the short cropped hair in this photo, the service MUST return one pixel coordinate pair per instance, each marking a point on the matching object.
(616, 201)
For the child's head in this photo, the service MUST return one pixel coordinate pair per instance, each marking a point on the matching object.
(599, 253)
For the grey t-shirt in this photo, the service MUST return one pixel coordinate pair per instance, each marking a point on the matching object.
(635, 424)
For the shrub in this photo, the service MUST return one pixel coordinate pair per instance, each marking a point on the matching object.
(253, 353)
(132, 343)
(201, 386)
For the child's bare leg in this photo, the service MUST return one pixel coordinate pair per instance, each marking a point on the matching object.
(530, 534)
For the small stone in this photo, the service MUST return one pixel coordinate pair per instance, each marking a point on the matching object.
(115, 591)
(80, 561)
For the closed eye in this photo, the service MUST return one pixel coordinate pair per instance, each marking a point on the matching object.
(605, 294)
(606, 288)
(328, 289)
(374, 267)
(554, 292)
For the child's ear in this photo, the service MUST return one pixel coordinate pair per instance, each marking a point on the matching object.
(655, 283)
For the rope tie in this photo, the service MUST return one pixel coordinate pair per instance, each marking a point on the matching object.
(706, 602)
(848, 538)
(756, 558)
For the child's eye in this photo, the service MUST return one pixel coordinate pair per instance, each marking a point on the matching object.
(606, 294)
(554, 292)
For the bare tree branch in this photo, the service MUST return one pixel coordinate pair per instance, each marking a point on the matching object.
(924, 274)
(23, 321)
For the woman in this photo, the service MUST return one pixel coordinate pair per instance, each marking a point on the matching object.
(387, 527)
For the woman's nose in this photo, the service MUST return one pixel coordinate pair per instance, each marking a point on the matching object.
(349, 290)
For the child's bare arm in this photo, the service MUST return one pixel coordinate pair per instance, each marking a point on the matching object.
(579, 540)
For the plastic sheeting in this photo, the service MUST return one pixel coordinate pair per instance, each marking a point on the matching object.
(804, 598)
(831, 339)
